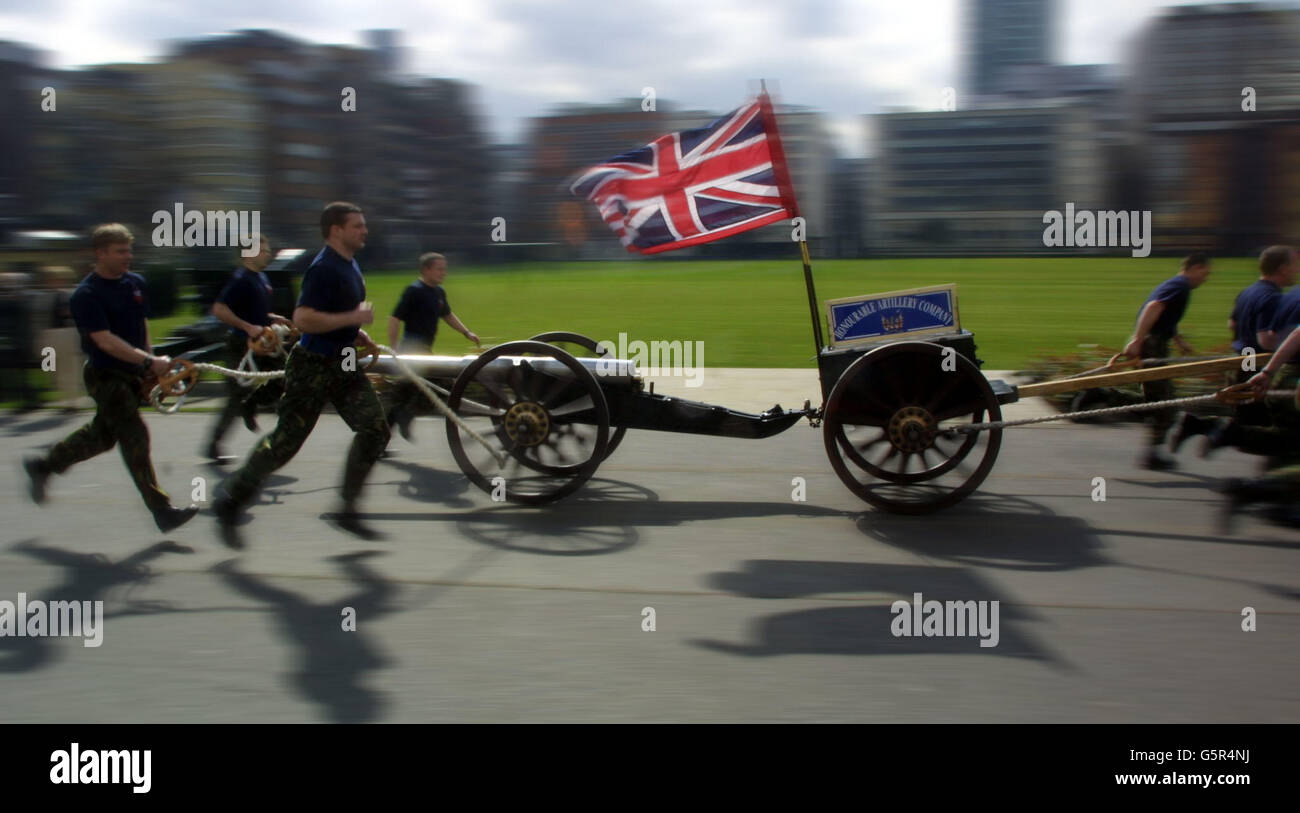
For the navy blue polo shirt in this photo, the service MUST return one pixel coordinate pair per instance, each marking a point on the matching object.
(1175, 292)
(1254, 311)
(119, 306)
(331, 285)
(420, 308)
(1288, 314)
(248, 295)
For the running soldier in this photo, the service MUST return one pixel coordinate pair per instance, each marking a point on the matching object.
(1252, 324)
(245, 304)
(1157, 326)
(423, 303)
(321, 368)
(111, 312)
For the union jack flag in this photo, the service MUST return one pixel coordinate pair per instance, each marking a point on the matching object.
(695, 186)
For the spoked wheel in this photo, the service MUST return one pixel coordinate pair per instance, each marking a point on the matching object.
(540, 408)
(580, 346)
(891, 422)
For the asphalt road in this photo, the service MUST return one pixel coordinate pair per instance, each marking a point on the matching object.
(765, 608)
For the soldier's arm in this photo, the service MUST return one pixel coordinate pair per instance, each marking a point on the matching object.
(310, 320)
(459, 327)
(225, 314)
(1145, 322)
(1281, 356)
(120, 349)
(1266, 339)
(394, 324)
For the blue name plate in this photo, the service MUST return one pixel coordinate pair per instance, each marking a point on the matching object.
(917, 312)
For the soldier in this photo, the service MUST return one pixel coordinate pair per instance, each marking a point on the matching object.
(111, 312)
(321, 367)
(1281, 484)
(1157, 326)
(245, 305)
(423, 303)
(1253, 315)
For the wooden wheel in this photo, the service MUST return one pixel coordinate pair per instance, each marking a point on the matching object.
(580, 346)
(539, 407)
(891, 428)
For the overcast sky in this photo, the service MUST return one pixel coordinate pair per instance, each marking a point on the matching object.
(843, 57)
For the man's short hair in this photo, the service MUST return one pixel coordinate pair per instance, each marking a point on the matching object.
(1274, 259)
(429, 258)
(336, 214)
(109, 234)
(1195, 260)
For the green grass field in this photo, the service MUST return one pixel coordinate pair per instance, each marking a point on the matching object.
(755, 314)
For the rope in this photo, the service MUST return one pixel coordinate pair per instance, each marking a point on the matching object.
(429, 391)
(1146, 407)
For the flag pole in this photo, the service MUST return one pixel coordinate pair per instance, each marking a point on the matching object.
(782, 174)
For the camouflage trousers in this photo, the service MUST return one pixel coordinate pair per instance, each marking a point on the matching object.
(117, 421)
(237, 396)
(1159, 421)
(1279, 442)
(312, 380)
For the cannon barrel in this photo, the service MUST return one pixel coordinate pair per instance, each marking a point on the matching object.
(609, 372)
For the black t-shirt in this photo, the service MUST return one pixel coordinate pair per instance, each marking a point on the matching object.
(1287, 315)
(1254, 310)
(1175, 292)
(420, 307)
(119, 306)
(331, 285)
(248, 295)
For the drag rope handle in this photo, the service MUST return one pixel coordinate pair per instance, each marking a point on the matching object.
(267, 343)
(427, 388)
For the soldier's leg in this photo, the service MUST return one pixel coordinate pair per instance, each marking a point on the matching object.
(1159, 421)
(95, 437)
(234, 395)
(306, 390)
(123, 414)
(359, 406)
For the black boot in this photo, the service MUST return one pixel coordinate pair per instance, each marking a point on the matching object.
(1241, 493)
(1156, 460)
(248, 410)
(40, 475)
(1187, 426)
(1222, 433)
(172, 517)
(347, 519)
(227, 512)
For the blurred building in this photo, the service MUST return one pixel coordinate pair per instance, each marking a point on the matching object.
(1028, 136)
(973, 182)
(1216, 176)
(293, 122)
(1001, 35)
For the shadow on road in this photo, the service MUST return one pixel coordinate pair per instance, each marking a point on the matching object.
(991, 530)
(601, 518)
(866, 629)
(430, 485)
(88, 577)
(49, 420)
(332, 661)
